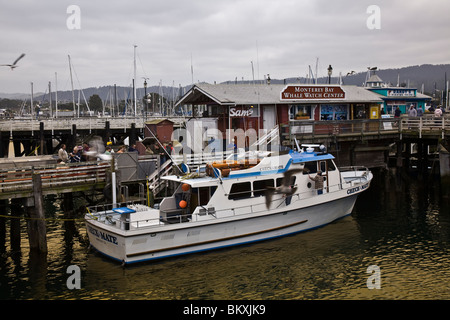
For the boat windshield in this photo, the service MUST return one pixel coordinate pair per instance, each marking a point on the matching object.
(248, 155)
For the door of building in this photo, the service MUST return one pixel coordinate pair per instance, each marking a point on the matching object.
(269, 120)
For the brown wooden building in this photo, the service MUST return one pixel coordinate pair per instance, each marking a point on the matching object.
(263, 106)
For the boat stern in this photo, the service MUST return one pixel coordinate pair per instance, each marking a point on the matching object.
(107, 242)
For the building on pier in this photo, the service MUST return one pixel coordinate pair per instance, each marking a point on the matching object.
(263, 106)
(396, 96)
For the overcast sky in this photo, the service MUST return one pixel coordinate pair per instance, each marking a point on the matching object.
(220, 37)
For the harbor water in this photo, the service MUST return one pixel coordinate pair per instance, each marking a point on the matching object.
(395, 245)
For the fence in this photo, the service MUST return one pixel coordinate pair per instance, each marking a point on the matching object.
(421, 125)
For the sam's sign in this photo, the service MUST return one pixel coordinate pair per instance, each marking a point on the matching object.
(293, 92)
(241, 112)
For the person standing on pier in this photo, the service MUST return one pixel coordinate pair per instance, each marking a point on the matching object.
(63, 157)
(75, 156)
(412, 113)
(419, 112)
(85, 152)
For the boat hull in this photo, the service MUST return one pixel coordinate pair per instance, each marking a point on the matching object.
(179, 239)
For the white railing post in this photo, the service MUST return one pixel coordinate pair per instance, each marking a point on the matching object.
(420, 127)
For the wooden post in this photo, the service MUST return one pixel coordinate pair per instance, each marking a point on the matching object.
(74, 136)
(41, 138)
(107, 134)
(2, 151)
(36, 228)
(133, 134)
(399, 154)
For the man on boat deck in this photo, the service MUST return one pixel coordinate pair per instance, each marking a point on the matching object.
(318, 182)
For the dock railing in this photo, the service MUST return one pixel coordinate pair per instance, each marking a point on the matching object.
(426, 124)
(17, 182)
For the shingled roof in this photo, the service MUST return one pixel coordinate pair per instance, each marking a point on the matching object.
(245, 94)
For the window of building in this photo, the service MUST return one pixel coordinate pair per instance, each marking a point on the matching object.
(296, 111)
(334, 112)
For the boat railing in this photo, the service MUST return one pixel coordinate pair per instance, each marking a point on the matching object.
(100, 211)
(353, 168)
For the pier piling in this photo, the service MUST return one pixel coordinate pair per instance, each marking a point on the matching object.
(41, 138)
(36, 227)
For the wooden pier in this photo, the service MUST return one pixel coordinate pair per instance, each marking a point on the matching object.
(38, 136)
(55, 179)
(45, 135)
(371, 142)
(25, 184)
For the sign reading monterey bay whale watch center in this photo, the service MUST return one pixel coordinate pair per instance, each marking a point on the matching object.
(294, 92)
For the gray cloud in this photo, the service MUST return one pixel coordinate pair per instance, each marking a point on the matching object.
(282, 38)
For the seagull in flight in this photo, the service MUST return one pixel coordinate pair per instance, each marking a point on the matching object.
(14, 65)
(285, 187)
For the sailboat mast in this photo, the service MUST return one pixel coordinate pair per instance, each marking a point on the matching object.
(50, 98)
(56, 95)
(31, 101)
(134, 83)
(73, 93)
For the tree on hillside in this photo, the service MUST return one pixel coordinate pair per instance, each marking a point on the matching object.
(95, 103)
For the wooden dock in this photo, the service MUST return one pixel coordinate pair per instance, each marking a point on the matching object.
(371, 142)
(56, 179)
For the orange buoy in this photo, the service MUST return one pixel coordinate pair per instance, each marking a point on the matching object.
(182, 204)
(185, 187)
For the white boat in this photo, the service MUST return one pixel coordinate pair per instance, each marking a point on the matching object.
(232, 202)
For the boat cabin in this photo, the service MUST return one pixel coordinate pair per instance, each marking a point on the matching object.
(242, 183)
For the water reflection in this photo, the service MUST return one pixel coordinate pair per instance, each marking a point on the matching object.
(401, 225)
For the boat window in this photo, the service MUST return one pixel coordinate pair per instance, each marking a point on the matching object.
(331, 166)
(323, 166)
(203, 194)
(240, 191)
(291, 183)
(260, 186)
(310, 167)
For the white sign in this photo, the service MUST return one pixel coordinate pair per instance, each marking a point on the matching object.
(400, 93)
(241, 112)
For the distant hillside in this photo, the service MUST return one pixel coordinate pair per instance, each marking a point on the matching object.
(430, 76)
